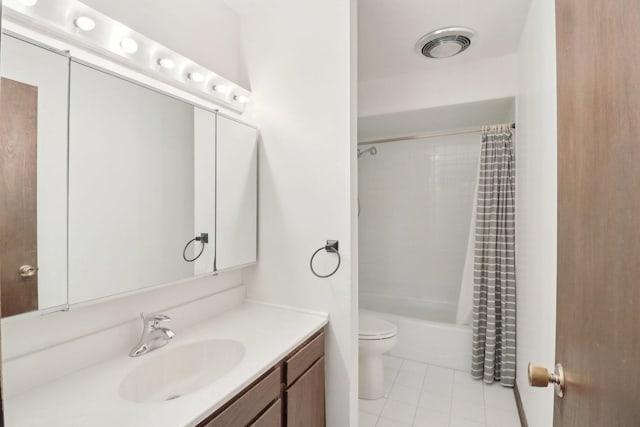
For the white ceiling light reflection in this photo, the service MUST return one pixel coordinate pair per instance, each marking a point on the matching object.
(28, 2)
(129, 45)
(85, 23)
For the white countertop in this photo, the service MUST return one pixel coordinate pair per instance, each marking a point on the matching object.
(90, 397)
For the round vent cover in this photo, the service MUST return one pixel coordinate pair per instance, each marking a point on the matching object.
(445, 42)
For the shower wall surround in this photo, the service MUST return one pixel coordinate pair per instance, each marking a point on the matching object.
(416, 199)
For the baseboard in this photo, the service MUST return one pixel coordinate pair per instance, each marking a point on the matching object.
(521, 414)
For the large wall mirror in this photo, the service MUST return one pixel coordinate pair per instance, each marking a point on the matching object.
(237, 190)
(111, 186)
(132, 181)
(33, 164)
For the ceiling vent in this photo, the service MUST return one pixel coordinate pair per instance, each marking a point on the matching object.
(445, 42)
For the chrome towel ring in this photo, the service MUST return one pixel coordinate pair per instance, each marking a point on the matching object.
(203, 238)
(331, 247)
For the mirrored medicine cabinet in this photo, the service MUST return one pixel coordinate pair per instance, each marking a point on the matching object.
(110, 186)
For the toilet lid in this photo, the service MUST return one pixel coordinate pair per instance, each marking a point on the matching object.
(375, 328)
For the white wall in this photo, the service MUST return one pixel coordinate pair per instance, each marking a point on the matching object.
(415, 208)
(299, 60)
(205, 31)
(536, 192)
(479, 80)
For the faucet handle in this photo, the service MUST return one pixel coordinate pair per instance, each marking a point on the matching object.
(154, 320)
(161, 318)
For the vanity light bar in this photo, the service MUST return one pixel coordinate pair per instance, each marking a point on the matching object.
(241, 99)
(220, 88)
(195, 77)
(85, 23)
(129, 45)
(167, 63)
(63, 19)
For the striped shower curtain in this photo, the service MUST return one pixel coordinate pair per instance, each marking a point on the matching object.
(494, 293)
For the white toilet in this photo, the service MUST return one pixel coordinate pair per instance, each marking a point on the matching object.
(376, 336)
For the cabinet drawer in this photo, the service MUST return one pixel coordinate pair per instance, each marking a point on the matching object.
(250, 404)
(304, 358)
(305, 399)
(271, 418)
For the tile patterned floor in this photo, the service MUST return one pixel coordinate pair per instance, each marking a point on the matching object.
(421, 395)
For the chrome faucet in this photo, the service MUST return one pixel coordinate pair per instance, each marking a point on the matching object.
(153, 336)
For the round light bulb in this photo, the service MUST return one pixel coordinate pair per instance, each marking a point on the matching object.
(85, 23)
(196, 77)
(129, 45)
(28, 2)
(221, 88)
(241, 99)
(166, 63)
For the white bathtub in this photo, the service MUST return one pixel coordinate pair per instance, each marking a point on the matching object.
(432, 338)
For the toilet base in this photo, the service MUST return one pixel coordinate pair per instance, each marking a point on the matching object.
(371, 379)
(371, 367)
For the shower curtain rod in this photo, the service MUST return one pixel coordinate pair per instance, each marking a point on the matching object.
(424, 136)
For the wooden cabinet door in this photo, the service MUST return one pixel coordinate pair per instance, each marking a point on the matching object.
(247, 407)
(598, 318)
(271, 418)
(305, 399)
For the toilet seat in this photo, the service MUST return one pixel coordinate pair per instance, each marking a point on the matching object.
(374, 328)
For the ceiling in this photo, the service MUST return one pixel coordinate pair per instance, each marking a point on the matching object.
(389, 29)
(419, 122)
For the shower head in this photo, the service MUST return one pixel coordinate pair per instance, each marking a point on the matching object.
(371, 150)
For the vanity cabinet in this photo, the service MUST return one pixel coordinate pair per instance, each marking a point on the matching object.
(252, 402)
(304, 382)
(305, 398)
(271, 417)
(290, 394)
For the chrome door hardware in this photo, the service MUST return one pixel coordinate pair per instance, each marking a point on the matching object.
(541, 377)
(27, 271)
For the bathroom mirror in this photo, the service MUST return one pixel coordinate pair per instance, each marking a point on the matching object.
(110, 186)
(237, 194)
(140, 186)
(33, 178)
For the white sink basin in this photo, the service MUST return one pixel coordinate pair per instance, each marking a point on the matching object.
(172, 373)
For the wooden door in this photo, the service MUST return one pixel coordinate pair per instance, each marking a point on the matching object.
(598, 305)
(1, 213)
(305, 399)
(18, 235)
